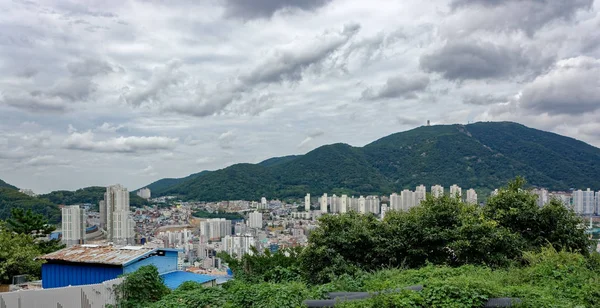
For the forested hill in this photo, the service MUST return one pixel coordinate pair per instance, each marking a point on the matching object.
(6, 185)
(92, 195)
(481, 155)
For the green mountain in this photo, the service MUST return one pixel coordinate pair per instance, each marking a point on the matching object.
(11, 198)
(91, 195)
(6, 185)
(159, 187)
(482, 155)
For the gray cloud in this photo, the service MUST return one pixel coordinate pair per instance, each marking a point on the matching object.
(288, 63)
(34, 103)
(474, 60)
(571, 87)
(398, 87)
(162, 79)
(86, 142)
(255, 9)
(226, 140)
(402, 120)
(484, 100)
(89, 67)
(527, 15)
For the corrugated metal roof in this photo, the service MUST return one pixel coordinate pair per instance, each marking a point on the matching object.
(174, 279)
(112, 255)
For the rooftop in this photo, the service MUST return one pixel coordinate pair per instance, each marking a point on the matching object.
(174, 279)
(99, 254)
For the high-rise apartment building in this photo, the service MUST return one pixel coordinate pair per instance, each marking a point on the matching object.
(323, 202)
(215, 228)
(238, 245)
(307, 202)
(73, 225)
(114, 216)
(542, 196)
(335, 204)
(455, 191)
(395, 202)
(407, 200)
(598, 203)
(437, 191)
(583, 202)
(362, 205)
(144, 193)
(420, 194)
(384, 209)
(372, 204)
(255, 220)
(343, 204)
(471, 196)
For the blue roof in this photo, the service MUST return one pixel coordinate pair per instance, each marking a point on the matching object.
(173, 279)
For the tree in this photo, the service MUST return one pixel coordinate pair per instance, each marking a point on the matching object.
(265, 266)
(17, 256)
(140, 288)
(516, 209)
(34, 225)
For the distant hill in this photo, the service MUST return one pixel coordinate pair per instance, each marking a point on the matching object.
(482, 155)
(11, 198)
(160, 186)
(91, 195)
(6, 185)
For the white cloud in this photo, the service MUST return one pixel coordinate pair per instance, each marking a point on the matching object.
(86, 142)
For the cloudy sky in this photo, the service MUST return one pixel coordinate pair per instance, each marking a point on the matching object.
(122, 91)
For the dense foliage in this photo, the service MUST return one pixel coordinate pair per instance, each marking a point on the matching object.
(229, 216)
(22, 239)
(10, 199)
(91, 195)
(482, 156)
(159, 187)
(140, 288)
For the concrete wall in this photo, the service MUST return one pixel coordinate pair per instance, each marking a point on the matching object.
(87, 296)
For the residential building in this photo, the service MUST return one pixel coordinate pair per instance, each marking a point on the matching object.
(384, 209)
(598, 203)
(455, 191)
(144, 193)
(471, 196)
(362, 205)
(372, 204)
(583, 202)
(420, 194)
(255, 220)
(115, 216)
(73, 225)
(335, 204)
(395, 202)
(307, 202)
(28, 192)
(407, 200)
(542, 196)
(344, 204)
(437, 191)
(215, 228)
(323, 202)
(263, 204)
(238, 245)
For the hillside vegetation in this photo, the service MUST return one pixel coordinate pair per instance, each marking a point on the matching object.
(6, 185)
(481, 156)
(11, 199)
(461, 254)
(91, 195)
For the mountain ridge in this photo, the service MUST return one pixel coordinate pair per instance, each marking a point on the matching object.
(482, 155)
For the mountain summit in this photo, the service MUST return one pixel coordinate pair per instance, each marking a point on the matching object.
(482, 155)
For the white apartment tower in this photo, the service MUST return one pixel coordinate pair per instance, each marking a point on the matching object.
(73, 225)
(471, 196)
(384, 209)
(144, 193)
(437, 191)
(598, 203)
(420, 194)
(344, 204)
(407, 199)
(255, 220)
(335, 204)
(372, 204)
(238, 245)
(324, 204)
(395, 202)
(455, 191)
(215, 228)
(542, 195)
(114, 215)
(362, 205)
(583, 202)
(307, 202)
(263, 203)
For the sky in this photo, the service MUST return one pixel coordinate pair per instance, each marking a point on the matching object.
(127, 91)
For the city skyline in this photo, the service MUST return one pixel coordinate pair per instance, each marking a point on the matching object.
(130, 92)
